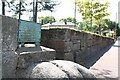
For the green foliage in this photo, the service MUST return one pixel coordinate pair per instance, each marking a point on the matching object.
(96, 10)
(111, 24)
(118, 31)
(101, 25)
(47, 19)
(69, 19)
(84, 26)
(50, 6)
(13, 6)
(108, 34)
(93, 12)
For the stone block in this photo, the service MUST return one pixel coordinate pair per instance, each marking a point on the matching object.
(79, 58)
(67, 35)
(60, 55)
(89, 36)
(68, 46)
(56, 70)
(90, 43)
(9, 33)
(74, 37)
(56, 34)
(0, 47)
(93, 48)
(9, 64)
(74, 70)
(87, 52)
(76, 47)
(35, 56)
(75, 41)
(8, 43)
(44, 71)
(69, 56)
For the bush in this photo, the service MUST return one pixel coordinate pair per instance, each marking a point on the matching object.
(118, 32)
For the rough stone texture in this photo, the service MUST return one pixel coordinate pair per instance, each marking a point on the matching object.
(27, 64)
(69, 56)
(35, 55)
(12, 57)
(9, 63)
(76, 47)
(68, 46)
(47, 70)
(9, 33)
(56, 70)
(42, 70)
(8, 40)
(0, 48)
(77, 44)
(73, 70)
(79, 59)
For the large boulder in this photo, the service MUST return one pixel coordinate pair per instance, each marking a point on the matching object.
(56, 70)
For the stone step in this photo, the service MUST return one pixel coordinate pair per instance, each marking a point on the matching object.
(28, 55)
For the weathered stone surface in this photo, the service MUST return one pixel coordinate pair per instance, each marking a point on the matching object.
(69, 68)
(8, 43)
(67, 36)
(47, 70)
(68, 46)
(9, 64)
(9, 33)
(35, 55)
(73, 70)
(44, 70)
(75, 41)
(76, 47)
(69, 56)
(56, 70)
(0, 47)
(79, 58)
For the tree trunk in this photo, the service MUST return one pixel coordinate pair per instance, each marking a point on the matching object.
(19, 12)
(36, 12)
(20, 9)
(3, 7)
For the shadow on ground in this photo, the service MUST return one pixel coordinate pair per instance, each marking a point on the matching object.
(91, 60)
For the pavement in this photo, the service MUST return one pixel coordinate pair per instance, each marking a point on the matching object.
(106, 66)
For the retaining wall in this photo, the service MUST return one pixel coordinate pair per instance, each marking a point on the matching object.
(74, 45)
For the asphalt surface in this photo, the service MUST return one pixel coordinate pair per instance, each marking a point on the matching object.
(107, 65)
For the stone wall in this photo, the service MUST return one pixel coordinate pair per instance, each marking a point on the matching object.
(0, 48)
(74, 45)
(14, 58)
(8, 37)
(69, 45)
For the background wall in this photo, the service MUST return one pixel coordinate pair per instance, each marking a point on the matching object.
(74, 45)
